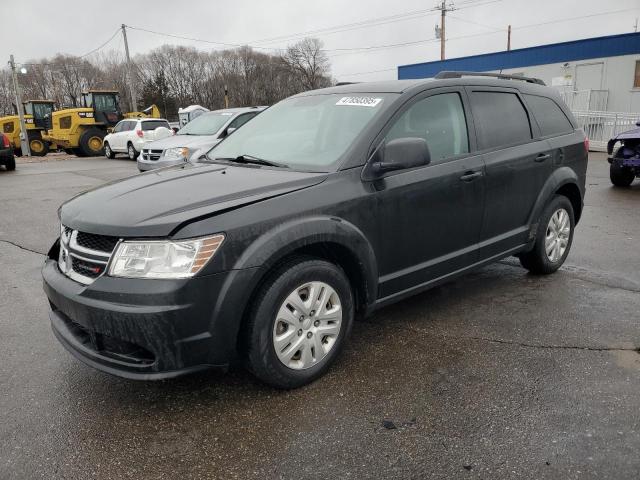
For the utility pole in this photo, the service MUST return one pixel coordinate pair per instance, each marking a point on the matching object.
(509, 38)
(440, 32)
(132, 87)
(24, 141)
(226, 97)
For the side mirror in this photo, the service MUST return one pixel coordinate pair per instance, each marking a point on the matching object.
(400, 154)
(638, 124)
(230, 130)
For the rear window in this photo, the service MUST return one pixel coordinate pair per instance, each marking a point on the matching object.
(153, 124)
(501, 118)
(549, 115)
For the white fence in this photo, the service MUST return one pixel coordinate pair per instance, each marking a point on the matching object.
(600, 126)
(583, 100)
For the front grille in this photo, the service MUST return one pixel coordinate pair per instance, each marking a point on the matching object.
(84, 256)
(102, 243)
(87, 269)
(149, 154)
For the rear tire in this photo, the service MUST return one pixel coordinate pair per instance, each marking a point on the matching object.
(108, 152)
(553, 240)
(11, 164)
(318, 328)
(37, 146)
(91, 142)
(132, 153)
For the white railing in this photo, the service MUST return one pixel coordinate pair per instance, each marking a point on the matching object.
(582, 100)
(600, 126)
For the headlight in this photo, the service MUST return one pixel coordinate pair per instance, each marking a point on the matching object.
(179, 153)
(163, 259)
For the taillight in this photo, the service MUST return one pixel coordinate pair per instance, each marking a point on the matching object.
(586, 144)
(5, 141)
(140, 133)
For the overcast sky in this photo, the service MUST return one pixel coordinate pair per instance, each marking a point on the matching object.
(40, 29)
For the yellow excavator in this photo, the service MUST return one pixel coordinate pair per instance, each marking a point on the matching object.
(81, 130)
(37, 118)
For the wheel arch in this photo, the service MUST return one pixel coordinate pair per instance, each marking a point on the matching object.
(563, 181)
(327, 238)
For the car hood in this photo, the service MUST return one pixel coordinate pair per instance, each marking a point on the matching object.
(629, 134)
(155, 203)
(192, 141)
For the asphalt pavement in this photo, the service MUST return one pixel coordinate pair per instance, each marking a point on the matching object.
(497, 375)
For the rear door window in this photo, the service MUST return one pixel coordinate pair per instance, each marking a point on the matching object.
(440, 120)
(501, 118)
(550, 117)
(153, 124)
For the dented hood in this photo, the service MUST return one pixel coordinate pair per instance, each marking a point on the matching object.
(155, 203)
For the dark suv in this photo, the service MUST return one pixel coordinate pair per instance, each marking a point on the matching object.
(327, 206)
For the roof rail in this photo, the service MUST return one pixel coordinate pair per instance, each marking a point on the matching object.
(504, 76)
(340, 84)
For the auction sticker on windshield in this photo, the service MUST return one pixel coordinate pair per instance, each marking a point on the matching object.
(359, 101)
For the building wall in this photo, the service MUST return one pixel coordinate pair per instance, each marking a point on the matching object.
(614, 74)
(592, 64)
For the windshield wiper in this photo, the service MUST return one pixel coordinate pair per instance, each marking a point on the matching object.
(252, 160)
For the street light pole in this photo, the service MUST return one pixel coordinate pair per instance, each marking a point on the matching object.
(24, 139)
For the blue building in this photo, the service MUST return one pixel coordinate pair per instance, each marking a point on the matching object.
(601, 73)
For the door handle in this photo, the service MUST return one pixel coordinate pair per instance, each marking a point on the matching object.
(469, 176)
(542, 157)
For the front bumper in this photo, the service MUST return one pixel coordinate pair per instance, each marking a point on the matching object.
(146, 329)
(144, 165)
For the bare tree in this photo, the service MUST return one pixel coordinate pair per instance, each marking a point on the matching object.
(308, 61)
(176, 76)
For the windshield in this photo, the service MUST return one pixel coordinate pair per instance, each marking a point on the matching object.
(207, 124)
(105, 102)
(310, 133)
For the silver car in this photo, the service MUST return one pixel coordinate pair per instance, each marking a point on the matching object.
(195, 138)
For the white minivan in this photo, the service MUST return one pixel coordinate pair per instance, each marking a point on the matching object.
(130, 135)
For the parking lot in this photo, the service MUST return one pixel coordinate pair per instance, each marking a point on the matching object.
(498, 375)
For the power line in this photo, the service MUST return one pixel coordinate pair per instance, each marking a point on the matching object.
(372, 22)
(351, 51)
(101, 46)
(193, 39)
(381, 47)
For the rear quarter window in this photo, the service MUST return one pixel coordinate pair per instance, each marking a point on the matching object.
(501, 118)
(550, 117)
(153, 124)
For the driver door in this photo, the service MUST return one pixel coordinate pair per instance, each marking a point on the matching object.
(430, 217)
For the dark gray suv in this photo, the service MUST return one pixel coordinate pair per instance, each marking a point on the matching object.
(325, 207)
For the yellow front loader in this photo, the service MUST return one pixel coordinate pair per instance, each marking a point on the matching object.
(82, 130)
(37, 119)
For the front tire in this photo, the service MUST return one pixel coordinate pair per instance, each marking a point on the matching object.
(132, 153)
(91, 142)
(620, 176)
(299, 322)
(108, 152)
(553, 238)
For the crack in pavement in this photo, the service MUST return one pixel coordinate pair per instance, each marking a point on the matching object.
(26, 249)
(597, 278)
(528, 345)
(551, 347)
